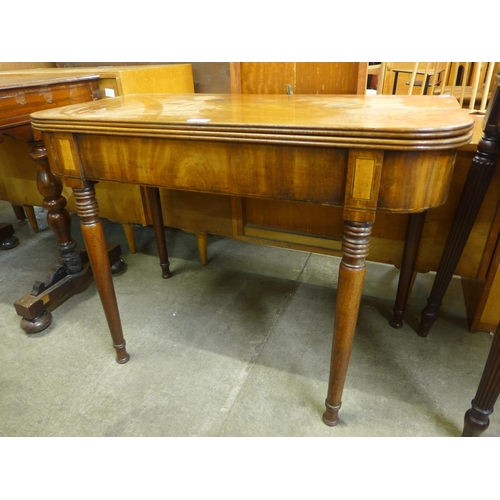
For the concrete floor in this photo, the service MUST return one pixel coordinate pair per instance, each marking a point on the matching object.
(239, 347)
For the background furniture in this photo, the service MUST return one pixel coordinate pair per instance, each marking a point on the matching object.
(128, 207)
(471, 83)
(7, 238)
(478, 180)
(20, 95)
(121, 203)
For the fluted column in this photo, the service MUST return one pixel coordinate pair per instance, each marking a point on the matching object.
(478, 180)
(476, 419)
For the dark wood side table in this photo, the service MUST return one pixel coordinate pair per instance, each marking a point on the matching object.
(362, 153)
(21, 95)
(478, 179)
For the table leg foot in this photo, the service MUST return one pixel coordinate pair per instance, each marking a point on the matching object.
(7, 238)
(397, 319)
(38, 324)
(122, 356)
(165, 271)
(429, 315)
(9, 243)
(117, 266)
(331, 415)
(476, 421)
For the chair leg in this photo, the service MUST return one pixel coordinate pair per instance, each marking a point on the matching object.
(129, 231)
(202, 240)
(18, 211)
(30, 214)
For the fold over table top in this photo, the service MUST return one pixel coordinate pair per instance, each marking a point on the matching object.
(376, 122)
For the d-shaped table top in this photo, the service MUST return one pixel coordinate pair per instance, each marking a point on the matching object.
(384, 122)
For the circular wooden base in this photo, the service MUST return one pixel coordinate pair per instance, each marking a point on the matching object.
(118, 266)
(37, 324)
(9, 242)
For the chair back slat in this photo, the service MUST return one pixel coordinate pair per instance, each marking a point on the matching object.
(469, 82)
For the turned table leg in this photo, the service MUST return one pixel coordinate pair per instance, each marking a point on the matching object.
(59, 220)
(412, 241)
(355, 246)
(153, 195)
(87, 209)
(476, 419)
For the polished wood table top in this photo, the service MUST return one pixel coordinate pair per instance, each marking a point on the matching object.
(395, 122)
(21, 95)
(365, 153)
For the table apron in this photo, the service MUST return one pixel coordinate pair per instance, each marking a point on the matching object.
(410, 181)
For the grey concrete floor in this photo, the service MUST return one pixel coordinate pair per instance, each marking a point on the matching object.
(239, 347)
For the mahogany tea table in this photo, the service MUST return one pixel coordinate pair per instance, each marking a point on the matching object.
(365, 153)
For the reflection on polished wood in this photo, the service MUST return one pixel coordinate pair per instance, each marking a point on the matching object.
(362, 153)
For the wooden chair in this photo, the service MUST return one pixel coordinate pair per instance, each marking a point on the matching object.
(370, 77)
(469, 82)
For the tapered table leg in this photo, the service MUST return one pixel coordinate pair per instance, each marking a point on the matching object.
(153, 195)
(355, 246)
(478, 179)
(476, 419)
(87, 209)
(412, 241)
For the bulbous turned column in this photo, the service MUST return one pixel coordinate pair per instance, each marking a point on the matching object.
(58, 218)
(355, 247)
(88, 211)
